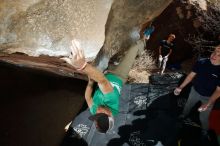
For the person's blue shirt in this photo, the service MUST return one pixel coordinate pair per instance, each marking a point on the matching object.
(207, 77)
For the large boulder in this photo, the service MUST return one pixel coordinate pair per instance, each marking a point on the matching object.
(35, 33)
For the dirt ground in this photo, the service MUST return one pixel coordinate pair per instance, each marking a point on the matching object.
(36, 106)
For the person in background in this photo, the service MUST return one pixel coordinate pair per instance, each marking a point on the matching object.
(165, 50)
(205, 77)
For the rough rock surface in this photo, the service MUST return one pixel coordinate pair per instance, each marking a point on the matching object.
(37, 27)
(46, 27)
(194, 22)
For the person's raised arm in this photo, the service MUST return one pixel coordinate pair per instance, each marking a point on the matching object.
(77, 60)
(99, 77)
(88, 92)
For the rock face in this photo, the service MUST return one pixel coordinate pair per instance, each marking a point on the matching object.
(46, 27)
(125, 22)
(42, 27)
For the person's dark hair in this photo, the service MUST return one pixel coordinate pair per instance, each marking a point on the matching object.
(102, 121)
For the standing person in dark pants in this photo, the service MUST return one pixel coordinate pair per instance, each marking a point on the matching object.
(165, 49)
(205, 77)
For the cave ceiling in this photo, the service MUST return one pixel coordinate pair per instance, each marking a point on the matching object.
(36, 33)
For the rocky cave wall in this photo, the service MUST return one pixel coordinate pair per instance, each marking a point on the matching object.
(43, 27)
(195, 24)
(125, 22)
